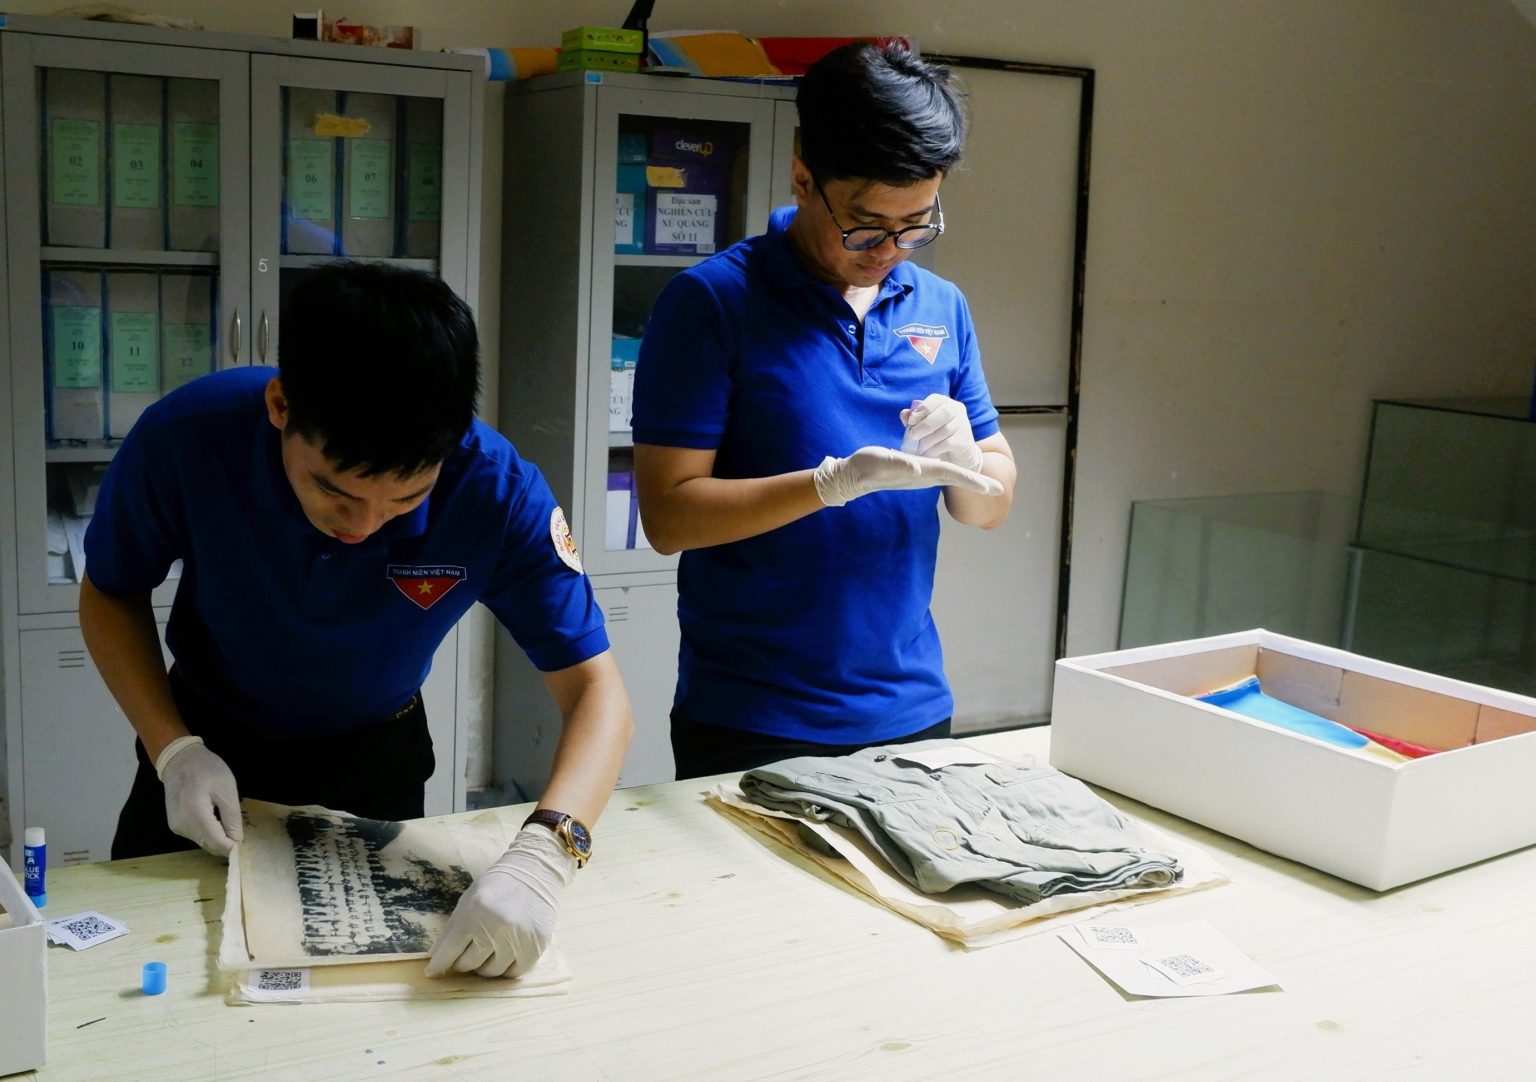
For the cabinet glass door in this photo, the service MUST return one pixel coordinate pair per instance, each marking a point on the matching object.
(687, 175)
(352, 167)
(127, 270)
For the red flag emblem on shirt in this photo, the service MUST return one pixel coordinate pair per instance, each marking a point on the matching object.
(926, 338)
(425, 584)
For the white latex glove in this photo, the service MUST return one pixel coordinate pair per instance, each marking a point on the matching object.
(939, 427)
(876, 469)
(202, 803)
(506, 919)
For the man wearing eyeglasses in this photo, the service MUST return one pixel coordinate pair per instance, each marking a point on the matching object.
(798, 399)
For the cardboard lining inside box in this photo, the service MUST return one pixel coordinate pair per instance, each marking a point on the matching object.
(1351, 698)
(1127, 720)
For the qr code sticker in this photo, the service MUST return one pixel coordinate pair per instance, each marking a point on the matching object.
(281, 980)
(1183, 968)
(89, 926)
(1111, 936)
(81, 930)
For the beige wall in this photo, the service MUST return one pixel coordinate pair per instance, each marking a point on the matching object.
(1297, 205)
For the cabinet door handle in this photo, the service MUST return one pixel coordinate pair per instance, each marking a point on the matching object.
(263, 338)
(234, 337)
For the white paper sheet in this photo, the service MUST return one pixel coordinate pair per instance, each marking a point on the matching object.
(1187, 959)
(378, 981)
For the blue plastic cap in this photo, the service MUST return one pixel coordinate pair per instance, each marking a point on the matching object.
(39, 900)
(154, 978)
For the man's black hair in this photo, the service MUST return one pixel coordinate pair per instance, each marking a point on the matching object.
(878, 112)
(380, 366)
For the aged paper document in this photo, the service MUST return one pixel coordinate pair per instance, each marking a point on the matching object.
(318, 887)
(321, 906)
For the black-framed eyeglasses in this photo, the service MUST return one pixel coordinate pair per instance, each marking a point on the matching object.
(861, 238)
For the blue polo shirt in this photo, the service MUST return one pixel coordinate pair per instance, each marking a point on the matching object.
(819, 630)
(293, 631)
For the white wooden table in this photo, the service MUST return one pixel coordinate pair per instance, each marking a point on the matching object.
(701, 953)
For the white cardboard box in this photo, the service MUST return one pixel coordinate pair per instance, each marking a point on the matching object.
(1124, 720)
(23, 979)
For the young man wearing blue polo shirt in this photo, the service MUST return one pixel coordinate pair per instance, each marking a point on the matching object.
(798, 398)
(334, 519)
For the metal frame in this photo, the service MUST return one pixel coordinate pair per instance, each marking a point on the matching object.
(1068, 409)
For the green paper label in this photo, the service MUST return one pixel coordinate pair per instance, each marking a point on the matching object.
(135, 352)
(195, 164)
(136, 165)
(186, 353)
(76, 346)
(368, 196)
(74, 162)
(424, 181)
(310, 189)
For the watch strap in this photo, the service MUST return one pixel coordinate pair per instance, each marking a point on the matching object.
(561, 824)
(547, 816)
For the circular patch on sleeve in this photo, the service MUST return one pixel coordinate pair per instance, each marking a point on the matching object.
(565, 544)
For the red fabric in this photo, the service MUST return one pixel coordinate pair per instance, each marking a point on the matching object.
(793, 55)
(1402, 747)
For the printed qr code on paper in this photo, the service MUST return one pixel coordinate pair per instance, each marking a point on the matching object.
(1185, 965)
(88, 927)
(279, 980)
(79, 931)
(1109, 935)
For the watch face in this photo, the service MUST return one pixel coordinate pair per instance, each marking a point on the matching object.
(579, 836)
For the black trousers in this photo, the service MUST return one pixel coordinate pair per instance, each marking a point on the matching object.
(701, 750)
(378, 772)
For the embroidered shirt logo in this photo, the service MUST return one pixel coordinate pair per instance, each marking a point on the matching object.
(425, 584)
(925, 338)
(565, 544)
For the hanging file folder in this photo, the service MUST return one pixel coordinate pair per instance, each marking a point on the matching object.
(133, 348)
(74, 123)
(192, 181)
(74, 356)
(309, 174)
(186, 329)
(423, 184)
(368, 181)
(136, 214)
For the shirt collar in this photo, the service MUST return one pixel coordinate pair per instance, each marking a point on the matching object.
(786, 270)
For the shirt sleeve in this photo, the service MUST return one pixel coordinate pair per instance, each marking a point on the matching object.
(131, 543)
(683, 377)
(547, 605)
(970, 382)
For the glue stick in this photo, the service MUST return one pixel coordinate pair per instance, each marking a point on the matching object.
(908, 444)
(34, 855)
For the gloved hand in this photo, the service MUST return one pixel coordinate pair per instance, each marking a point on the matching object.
(197, 784)
(506, 918)
(939, 427)
(876, 469)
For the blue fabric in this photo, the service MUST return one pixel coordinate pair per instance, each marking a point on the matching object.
(1248, 699)
(294, 631)
(819, 630)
